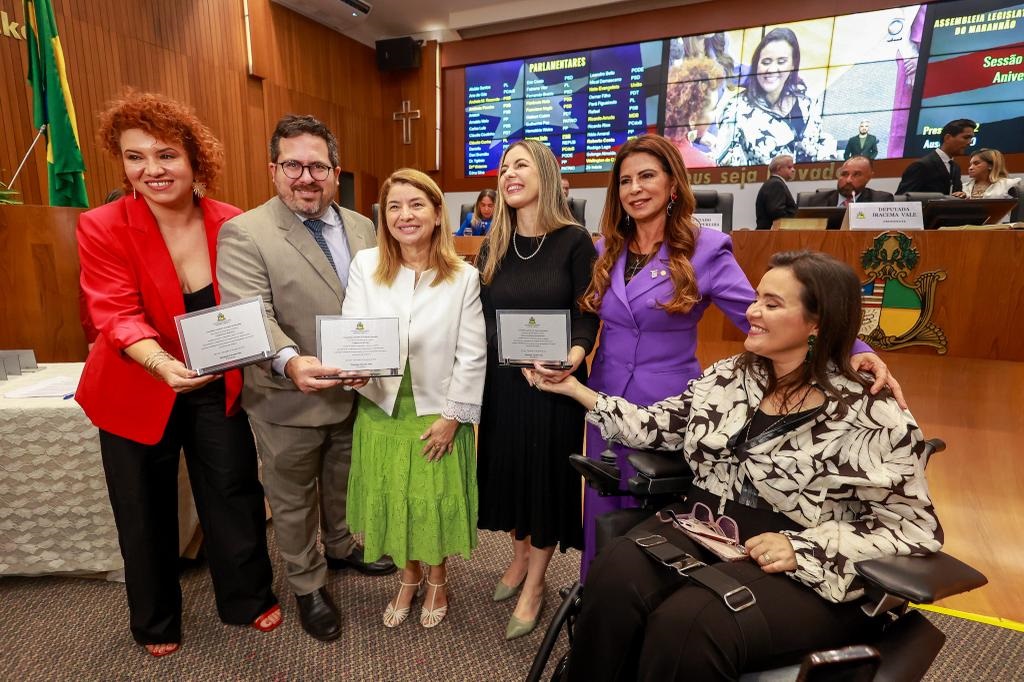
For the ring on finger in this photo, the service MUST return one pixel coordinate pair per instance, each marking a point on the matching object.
(767, 556)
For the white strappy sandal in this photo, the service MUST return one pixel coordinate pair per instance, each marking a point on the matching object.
(429, 616)
(393, 617)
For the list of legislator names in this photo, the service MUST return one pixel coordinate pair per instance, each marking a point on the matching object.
(582, 105)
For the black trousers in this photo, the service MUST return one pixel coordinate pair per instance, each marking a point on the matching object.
(142, 481)
(643, 621)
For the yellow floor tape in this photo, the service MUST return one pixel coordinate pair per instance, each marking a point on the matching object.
(988, 620)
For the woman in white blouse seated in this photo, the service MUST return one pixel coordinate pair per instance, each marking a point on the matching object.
(987, 176)
(816, 472)
(412, 487)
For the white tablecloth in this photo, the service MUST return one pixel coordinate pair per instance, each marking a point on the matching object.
(55, 515)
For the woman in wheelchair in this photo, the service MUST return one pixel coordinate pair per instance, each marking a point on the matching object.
(794, 458)
(656, 274)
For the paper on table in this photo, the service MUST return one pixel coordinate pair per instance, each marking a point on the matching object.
(53, 387)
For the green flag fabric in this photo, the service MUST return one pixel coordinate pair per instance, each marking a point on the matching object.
(52, 106)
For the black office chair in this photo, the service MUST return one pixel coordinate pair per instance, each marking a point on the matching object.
(578, 208)
(375, 210)
(804, 198)
(1014, 192)
(713, 201)
(902, 651)
(464, 211)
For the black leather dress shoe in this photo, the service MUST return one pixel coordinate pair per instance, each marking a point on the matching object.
(318, 615)
(382, 566)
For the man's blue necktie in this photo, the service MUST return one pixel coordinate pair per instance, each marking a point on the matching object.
(316, 228)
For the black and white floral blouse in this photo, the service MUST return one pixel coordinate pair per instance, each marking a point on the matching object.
(749, 134)
(855, 483)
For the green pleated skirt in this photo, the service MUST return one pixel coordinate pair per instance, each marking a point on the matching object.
(405, 505)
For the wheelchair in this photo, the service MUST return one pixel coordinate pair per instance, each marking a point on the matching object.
(905, 646)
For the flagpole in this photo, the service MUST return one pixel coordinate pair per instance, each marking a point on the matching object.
(42, 129)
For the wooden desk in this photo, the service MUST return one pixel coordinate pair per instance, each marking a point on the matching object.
(468, 247)
(979, 306)
(39, 304)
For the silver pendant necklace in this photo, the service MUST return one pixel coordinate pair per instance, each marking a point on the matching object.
(536, 251)
(782, 417)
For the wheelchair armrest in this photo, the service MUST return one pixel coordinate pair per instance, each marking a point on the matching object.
(602, 476)
(653, 464)
(920, 579)
(659, 473)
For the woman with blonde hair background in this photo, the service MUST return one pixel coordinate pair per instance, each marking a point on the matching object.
(987, 176)
(412, 486)
(535, 257)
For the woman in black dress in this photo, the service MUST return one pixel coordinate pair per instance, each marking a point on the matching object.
(535, 257)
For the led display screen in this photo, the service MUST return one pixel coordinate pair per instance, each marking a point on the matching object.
(881, 83)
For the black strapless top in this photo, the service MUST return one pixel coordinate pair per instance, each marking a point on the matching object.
(200, 300)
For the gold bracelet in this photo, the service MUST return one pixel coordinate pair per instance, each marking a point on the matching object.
(155, 359)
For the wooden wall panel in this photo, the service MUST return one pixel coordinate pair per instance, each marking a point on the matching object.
(196, 51)
(963, 308)
(419, 88)
(39, 278)
(981, 315)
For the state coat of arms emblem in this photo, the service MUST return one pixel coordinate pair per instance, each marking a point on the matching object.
(897, 311)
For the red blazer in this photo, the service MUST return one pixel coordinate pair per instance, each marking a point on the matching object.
(132, 293)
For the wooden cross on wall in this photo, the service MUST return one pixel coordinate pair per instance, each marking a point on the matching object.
(406, 116)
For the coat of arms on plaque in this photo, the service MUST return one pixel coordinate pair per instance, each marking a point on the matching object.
(897, 312)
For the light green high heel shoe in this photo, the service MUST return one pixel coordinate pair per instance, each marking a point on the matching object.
(503, 591)
(520, 628)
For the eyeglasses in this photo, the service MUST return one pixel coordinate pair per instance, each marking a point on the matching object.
(293, 170)
(702, 522)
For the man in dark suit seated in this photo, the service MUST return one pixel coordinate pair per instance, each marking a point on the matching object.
(862, 144)
(774, 199)
(936, 171)
(851, 186)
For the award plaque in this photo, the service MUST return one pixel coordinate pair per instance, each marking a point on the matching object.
(529, 336)
(225, 336)
(361, 347)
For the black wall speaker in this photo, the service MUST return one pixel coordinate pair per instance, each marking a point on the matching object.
(398, 53)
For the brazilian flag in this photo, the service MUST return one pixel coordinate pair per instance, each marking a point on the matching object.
(52, 106)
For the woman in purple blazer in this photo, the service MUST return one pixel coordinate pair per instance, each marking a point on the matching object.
(656, 274)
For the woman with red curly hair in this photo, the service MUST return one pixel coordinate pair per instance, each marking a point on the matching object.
(690, 108)
(145, 258)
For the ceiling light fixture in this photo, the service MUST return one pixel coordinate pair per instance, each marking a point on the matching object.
(360, 6)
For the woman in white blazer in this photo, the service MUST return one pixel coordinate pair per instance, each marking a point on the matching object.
(412, 487)
(987, 177)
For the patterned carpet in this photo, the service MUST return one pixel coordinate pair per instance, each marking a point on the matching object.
(76, 629)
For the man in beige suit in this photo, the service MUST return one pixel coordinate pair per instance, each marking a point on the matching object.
(294, 252)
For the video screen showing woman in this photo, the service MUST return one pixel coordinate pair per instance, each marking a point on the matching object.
(775, 112)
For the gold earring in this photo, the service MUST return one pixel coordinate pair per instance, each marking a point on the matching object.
(135, 194)
(199, 189)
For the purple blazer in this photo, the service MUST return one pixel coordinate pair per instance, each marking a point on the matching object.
(647, 354)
